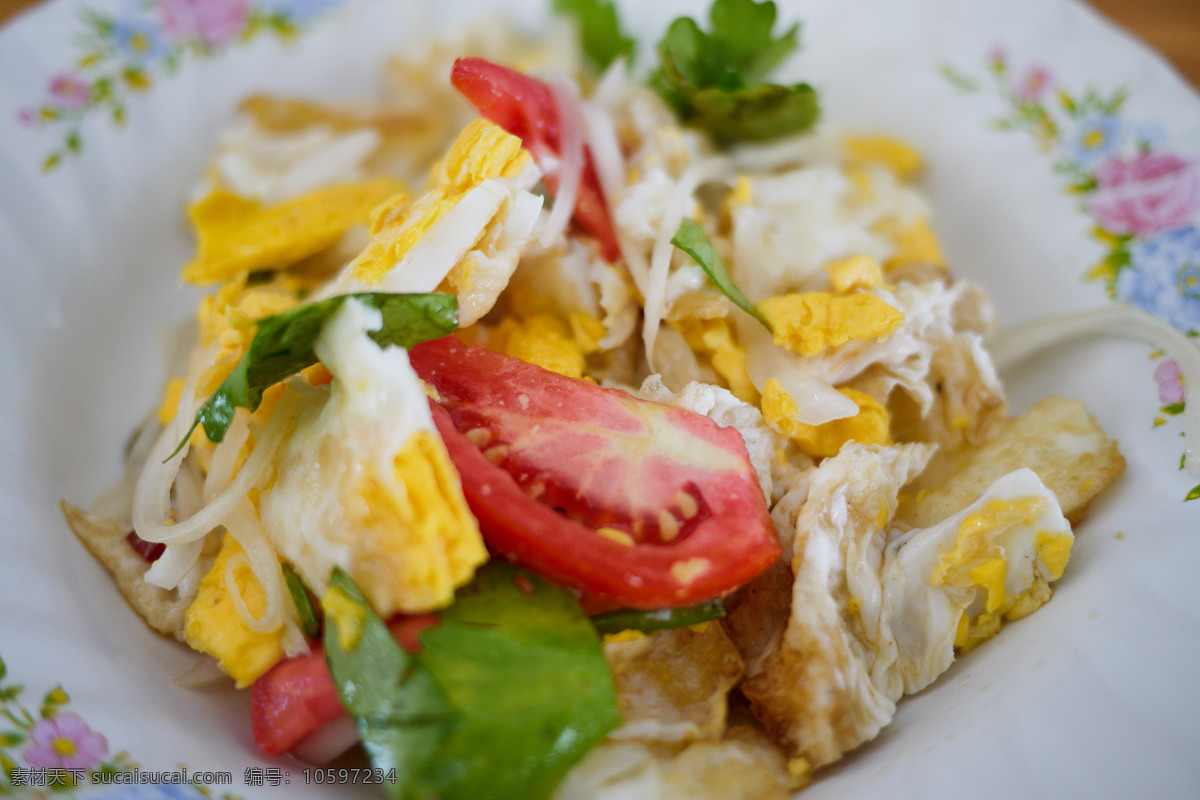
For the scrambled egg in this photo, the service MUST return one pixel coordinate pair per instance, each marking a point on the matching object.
(238, 235)
(868, 426)
(913, 243)
(901, 158)
(714, 341)
(543, 339)
(856, 272)
(364, 482)
(811, 322)
(214, 625)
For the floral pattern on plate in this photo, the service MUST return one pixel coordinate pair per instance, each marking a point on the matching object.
(123, 54)
(1142, 196)
(55, 753)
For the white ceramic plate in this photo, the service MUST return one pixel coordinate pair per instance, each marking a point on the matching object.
(1095, 695)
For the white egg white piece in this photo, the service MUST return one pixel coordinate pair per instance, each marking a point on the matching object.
(878, 610)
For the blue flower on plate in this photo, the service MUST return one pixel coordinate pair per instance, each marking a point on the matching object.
(139, 40)
(1163, 277)
(1095, 139)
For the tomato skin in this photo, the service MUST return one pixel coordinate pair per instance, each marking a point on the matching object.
(291, 700)
(526, 108)
(149, 551)
(297, 696)
(592, 452)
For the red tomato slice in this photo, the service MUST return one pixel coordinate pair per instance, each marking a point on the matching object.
(291, 700)
(297, 696)
(525, 107)
(640, 503)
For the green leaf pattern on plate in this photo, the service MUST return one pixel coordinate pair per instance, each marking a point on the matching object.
(127, 53)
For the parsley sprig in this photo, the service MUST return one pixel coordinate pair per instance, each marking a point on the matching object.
(716, 80)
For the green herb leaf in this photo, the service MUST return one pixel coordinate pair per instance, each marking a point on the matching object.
(402, 715)
(283, 345)
(766, 111)
(691, 239)
(600, 34)
(524, 690)
(306, 612)
(716, 80)
(1193, 494)
(518, 656)
(632, 619)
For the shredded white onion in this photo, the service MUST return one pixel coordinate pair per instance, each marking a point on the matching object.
(178, 559)
(605, 150)
(175, 562)
(153, 523)
(677, 206)
(244, 526)
(609, 162)
(227, 455)
(189, 488)
(570, 168)
(1015, 345)
(152, 492)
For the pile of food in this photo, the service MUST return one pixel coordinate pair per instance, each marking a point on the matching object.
(604, 435)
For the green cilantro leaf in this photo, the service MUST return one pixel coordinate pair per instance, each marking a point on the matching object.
(691, 239)
(715, 80)
(600, 32)
(283, 345)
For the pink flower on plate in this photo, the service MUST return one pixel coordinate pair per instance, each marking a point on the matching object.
(64, 741)
(70, 90)
(1033, 84)
(1170, 382)
(212, 21)
(1146, 194)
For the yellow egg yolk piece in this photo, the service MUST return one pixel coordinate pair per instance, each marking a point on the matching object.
(901, 158)
(481, 152)
(855, 272)
(229, 317)
(214, 625)
(868, 426)
(237, 235)
(978, 560)
(543, 339)
(420, 543)
(914, 243)
(811, 322)
(714, 338)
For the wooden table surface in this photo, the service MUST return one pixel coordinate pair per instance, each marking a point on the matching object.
(1170, 26)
